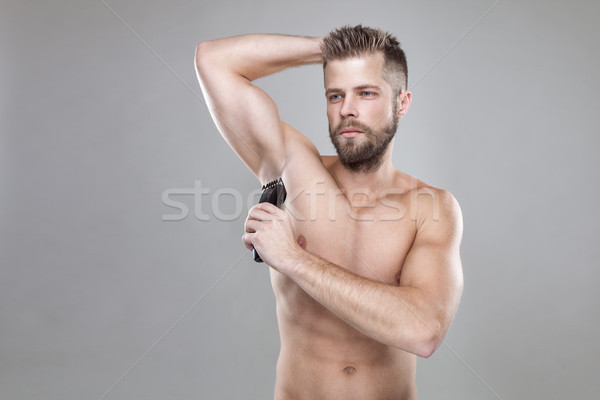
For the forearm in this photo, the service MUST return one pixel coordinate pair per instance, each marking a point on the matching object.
(256, 55)
(413, 315)
(392, 315)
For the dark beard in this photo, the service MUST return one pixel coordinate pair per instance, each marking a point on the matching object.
(364, 157)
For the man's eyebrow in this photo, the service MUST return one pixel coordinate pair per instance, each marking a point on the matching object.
(330, 90)
(368, 86)
(361, 87)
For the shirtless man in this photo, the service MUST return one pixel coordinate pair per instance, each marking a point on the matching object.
(364, 259)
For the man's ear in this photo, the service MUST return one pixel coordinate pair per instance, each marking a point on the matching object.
(404, 99)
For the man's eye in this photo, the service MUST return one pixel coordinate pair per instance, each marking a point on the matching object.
(367, 93)
(334, 97)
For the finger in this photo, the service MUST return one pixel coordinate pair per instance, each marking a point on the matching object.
(259, 215)
(269, 208)
(247, 239)
(266, 206)
(252, 225)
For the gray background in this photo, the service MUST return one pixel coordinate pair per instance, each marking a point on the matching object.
(101, 113)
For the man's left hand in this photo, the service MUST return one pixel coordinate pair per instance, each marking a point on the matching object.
(269, 230)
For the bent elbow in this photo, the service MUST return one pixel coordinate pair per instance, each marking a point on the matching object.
(432, 338)
(204, 56)
(425, 341)
(428, 347)
(201, 54)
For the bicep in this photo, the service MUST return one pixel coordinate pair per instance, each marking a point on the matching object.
(247, 118)
(433, 263)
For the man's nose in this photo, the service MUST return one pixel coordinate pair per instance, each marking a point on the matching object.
(349, 108)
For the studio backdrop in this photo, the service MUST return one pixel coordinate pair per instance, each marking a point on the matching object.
(122, 270)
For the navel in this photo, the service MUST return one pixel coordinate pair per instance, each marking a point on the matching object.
(349, 370)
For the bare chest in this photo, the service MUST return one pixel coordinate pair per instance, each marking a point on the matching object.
(370, 237)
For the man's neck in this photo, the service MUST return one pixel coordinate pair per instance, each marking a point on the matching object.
(374, 183)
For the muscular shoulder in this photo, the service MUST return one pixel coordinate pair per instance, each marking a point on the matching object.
(436, 212)
(427, 204)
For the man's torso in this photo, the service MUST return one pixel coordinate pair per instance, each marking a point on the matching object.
(322, 357)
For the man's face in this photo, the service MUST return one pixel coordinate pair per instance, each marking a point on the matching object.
(362, 111)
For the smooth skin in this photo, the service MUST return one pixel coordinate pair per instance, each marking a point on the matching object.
(365, 267)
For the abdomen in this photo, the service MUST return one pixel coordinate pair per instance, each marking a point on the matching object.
(323, 357)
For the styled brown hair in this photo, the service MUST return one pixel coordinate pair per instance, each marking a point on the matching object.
(356, 41)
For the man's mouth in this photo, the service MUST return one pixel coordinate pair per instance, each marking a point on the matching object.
(350, 132)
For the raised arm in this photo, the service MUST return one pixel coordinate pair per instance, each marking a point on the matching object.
(245, 115)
